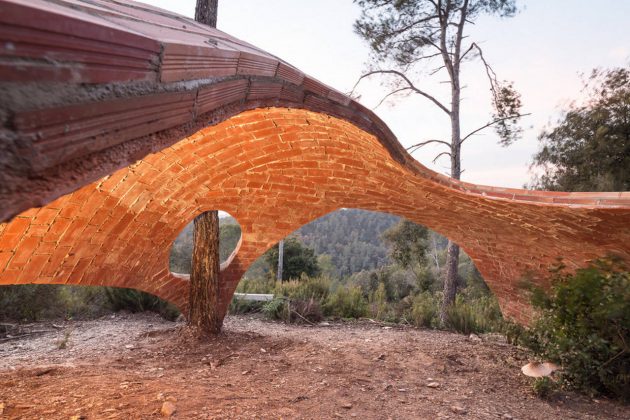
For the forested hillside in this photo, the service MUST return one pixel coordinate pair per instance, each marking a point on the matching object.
(351, 237)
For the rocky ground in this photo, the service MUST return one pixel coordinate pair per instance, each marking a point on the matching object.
(137, 366)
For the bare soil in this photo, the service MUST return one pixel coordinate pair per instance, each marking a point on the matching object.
(128, 366)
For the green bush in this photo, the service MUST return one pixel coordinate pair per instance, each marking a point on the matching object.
(241, 306)
(379, 307)
(304, 289)
(583, 324)
(264, 285)
(474, 315)
(424, 310)
(275, 309)
(346, 302)
(33, 302)
(304, 310)
(543, 387)
(136, 301)
(298, 300)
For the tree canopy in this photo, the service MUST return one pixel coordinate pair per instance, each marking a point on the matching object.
(298, 260)
(589, 147)
(407, 242)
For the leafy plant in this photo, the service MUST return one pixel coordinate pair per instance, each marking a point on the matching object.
(136, 301)
(424, 310)
(347, 302)
(474, 315)
(584, 325)
(543, 387)
(275, 309)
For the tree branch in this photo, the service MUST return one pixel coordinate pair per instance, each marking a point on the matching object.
(491, 124)
(410, 25)
(411, 86)
(390, 94)
(492, 76)
(424, 143)
(443, 153)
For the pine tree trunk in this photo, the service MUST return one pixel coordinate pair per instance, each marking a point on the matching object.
(203, 315)
(206, 12)
(452, 254)
(450, 281)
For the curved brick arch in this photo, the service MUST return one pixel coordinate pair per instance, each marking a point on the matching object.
(274, 170)
(124, 121)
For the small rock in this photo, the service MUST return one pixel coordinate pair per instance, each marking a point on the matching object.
(507, 416)
(129, 346)
(263, 350)
(433, 384)
(346, 405)
(324, 324)
(159, 396)
(168, 409)
(475, 338)
(171, 399)
(1, 408)
(245, 372)
(458, 409)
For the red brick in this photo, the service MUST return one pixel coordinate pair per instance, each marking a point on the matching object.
(275, 172)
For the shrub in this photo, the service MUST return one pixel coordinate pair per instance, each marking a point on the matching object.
(543, 387)
(478, 315)
(379, 308)
(262, 285)
(33, 302)
(304, 289)
(136, 301)
(584, 325)
(29, 302)
(275, 309)
(298, 300)
(424, 310)
(241, 306)
(346, 302)
(308, 310)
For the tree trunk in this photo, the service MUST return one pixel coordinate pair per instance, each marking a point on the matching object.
(203, 315)
(206, 12)
(280, 260)
(452, 255)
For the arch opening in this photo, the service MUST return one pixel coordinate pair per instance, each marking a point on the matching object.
(230, 235)
(354, 263)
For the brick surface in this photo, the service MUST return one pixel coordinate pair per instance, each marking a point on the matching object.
(273, 179)
(134, 120)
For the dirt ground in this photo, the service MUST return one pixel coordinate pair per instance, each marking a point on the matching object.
(129, 366)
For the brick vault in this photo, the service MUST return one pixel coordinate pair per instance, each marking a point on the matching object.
(121, 122)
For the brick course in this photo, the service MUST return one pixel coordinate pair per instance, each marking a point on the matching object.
(273, 190)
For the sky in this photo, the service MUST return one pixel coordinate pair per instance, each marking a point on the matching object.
(545, 49)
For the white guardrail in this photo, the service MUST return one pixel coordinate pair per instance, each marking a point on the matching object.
(258, 297)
